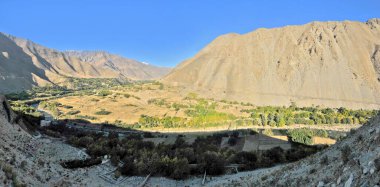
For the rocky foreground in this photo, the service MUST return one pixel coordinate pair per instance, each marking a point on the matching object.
(31, 160)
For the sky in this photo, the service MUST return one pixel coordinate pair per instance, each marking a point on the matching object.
(162, 32)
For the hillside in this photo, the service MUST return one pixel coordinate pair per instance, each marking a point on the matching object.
(24, 64)
(331, 64)
(34, 161)
(354, 161)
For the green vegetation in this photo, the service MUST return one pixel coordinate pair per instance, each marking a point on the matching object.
(21, 107)
(158, 102)
(201, 115)
(104, 93)
(86, 117)
(52, 107)
(281, 116)
(204, 115)
(73, 112)
(94, 83)
(166, 122)
(346, 153)
(177, 161)
(305, 135)
(103, 112)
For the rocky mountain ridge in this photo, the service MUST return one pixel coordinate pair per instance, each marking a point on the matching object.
(24, 64)
(331, 64)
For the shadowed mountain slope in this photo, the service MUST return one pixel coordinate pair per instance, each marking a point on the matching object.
(24, 64)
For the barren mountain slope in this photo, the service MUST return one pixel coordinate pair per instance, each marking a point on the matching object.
(34, 160)
(24, 64)
(323, 63)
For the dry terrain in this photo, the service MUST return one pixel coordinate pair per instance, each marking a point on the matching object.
(331, 64)
(34, 161)
(25, 64)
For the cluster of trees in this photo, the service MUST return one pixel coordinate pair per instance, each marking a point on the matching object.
(94, 83)
(204, 114)
(281, 116)
(305, 135)
(134, 156)
(52, 107)
(21, 107)
(166, 122)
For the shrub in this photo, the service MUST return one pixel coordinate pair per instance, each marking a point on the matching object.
(117, 174)
(276, 154)
(268, 132)
(305, 136)
(325, 160)
(213, 163)
(103, 112)
(181, 169)
(345, 153)
(73, 164)
(232, 141)
(128, 168)
(377, 164)
(73, 112)
(248, 159)
(23, 165)
(104, 93)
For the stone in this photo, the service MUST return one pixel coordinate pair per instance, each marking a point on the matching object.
(372, 171)
(339, 180)
(320, 184)
(365, 170)
(349, 181)
(370, 163)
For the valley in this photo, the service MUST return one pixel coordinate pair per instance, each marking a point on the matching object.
(290, 106)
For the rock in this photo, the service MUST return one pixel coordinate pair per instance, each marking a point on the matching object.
(372, 171)
(370, 163)
(320, 184)
(349, 181)
(365, 170)
(339, 180)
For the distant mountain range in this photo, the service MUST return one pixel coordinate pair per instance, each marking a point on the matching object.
(24, 64)
(322, 63)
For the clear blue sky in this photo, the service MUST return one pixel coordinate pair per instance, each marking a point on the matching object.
(162, 32)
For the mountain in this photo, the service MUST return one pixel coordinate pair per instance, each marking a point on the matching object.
(24, 64)
(322, 63)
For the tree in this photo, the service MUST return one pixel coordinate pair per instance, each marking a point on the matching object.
(263, 119)
(279, 119)
(181, 168)
(213, 163)
(248, 159)
(270, 118)
(128, 167)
